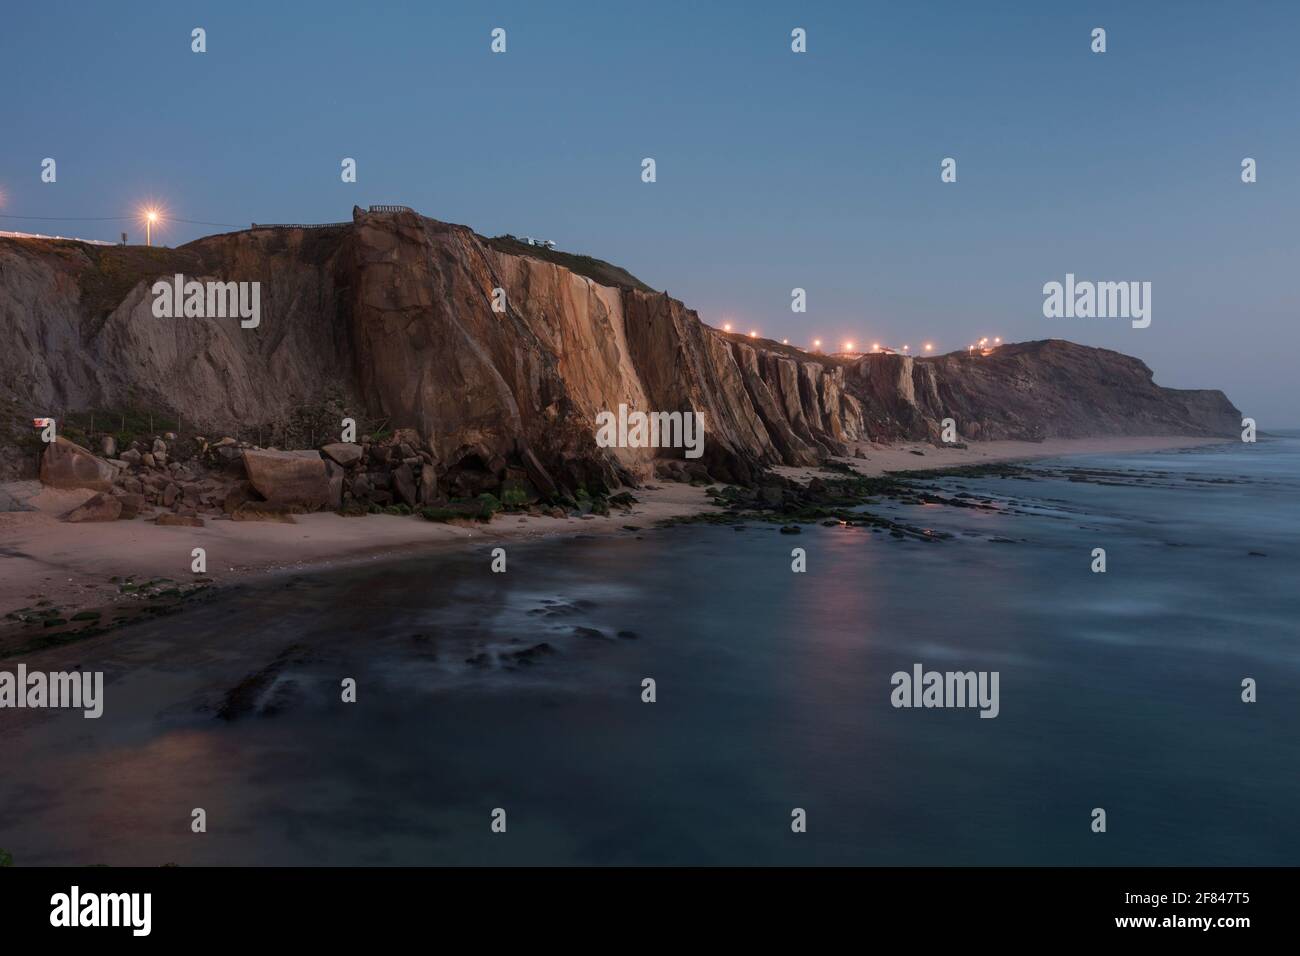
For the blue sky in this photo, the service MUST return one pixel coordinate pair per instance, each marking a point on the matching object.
(775, 170)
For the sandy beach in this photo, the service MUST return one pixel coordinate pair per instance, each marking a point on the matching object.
(71, 565)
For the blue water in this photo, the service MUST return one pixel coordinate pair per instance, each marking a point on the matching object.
(1119, 690)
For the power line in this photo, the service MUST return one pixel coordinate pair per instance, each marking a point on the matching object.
(67, 218)
(192, 222)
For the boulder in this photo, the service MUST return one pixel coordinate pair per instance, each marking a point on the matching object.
(101, 507)
(404, 484)
(428, 484)
(538, 475)
(131, 456)
(66, 464)
(344, 453)
(108, 446)
(132, 505)
(289, 477)
(170, 494)
(238, 494)
(335, 475)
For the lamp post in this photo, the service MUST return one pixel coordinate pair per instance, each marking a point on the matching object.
(150, 217)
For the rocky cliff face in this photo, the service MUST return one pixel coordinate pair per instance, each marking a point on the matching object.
(1031, 391)
(390, 321)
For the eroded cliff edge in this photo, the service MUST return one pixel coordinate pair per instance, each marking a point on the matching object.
(389, 320)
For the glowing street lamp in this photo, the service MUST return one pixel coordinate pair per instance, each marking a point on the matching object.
(906, 347)
(929, 346)
(726, 326)
(753, 334)
(785, 341)
(875, 346)
(150, 217)
(817, 343)
(848, 346)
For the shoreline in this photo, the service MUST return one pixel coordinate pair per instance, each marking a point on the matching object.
(79, 567)
(902, 456)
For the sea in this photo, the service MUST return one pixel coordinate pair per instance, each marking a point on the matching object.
(684, 696)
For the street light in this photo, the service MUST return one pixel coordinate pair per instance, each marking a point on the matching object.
(150, 217)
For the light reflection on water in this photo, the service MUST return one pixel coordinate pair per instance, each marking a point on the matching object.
(1118, 690)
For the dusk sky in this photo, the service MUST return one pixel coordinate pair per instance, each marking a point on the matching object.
(775, 170)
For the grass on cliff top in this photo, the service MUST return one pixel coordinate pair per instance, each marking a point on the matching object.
(105, 274)
(118, 269)
(597, 270)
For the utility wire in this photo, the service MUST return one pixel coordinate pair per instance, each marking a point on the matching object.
(67, 218)
(192, 222)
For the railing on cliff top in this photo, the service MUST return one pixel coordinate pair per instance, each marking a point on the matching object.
(325, 225)
(299, 225)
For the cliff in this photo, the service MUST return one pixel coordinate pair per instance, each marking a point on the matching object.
(390, 320)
